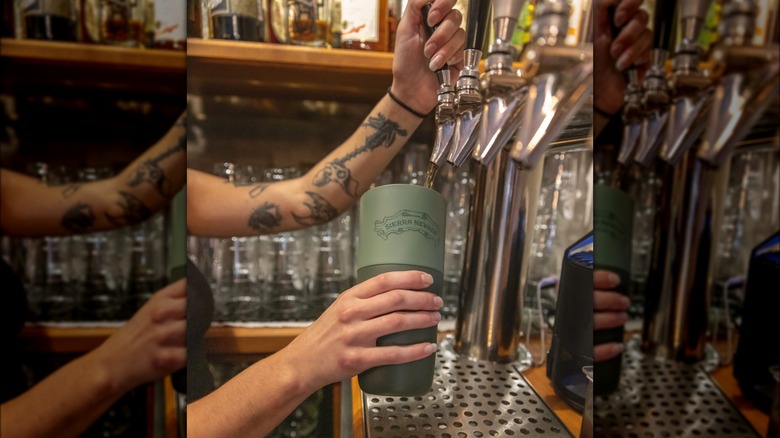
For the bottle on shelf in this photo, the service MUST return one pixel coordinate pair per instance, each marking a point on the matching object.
(364, 25)
(240, 20)
(53, 20)
(122, 22)
(308, 22)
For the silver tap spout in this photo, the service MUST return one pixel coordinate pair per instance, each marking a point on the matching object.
(468, 103)
(690, 87)
(656, 104)
(468, 100)
(495, 272)
(502, 87)
(556, 93)
(445, 112)
(632, 117)
(746, 89)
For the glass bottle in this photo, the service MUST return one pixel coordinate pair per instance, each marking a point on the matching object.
(364, 25)
(235, 20)
(308, 22)
(52, 20)
(122, 22)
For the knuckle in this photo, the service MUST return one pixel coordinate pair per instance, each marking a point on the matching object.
(346, 315)
(395, 298)
(350, 360)
(383, 281)
(394, 321)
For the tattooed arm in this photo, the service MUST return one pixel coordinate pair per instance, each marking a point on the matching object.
(218, 208)
(30, 207)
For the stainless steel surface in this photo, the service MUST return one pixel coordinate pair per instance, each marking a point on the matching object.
(632, 117)
(664, 398)
(503, 209)
(505, 13)
(468, 109)
(554, 97)
(655, 102)
(468, 399)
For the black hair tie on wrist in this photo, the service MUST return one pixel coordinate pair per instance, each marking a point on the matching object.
(405, 106)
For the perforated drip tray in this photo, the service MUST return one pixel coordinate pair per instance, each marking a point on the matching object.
(468, 399)
(665, 398)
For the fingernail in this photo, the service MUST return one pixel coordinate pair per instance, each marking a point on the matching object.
(613, 279)
(433, 18)
(430, 348)
(616, 49)
(435, 62)
(436, 316)
(625, 302)
(617, 348)
(429, 50)
(622, 62)
(427, 279)
(620, 17)
(437, 301)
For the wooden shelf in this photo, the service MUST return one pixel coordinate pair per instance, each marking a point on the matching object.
(252, 341)
(66, 340)
(76, 66)
(261, 70)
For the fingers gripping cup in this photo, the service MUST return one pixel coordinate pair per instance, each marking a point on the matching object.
(401, 229)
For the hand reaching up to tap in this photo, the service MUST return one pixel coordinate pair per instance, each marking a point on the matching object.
(609, 311)
(614, 53)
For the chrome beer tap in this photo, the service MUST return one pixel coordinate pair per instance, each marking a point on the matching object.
(691, 89)
(468, 99)
(656, 97)
(561, 79)
(503, 88)
(747, 83)
(445, 112)
(504, 202)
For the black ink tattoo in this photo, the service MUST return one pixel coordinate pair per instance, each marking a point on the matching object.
(78, 218)
(150, 171)
(337, 171)
(133, 211)
(258, 189)
(70, 190)
(265, 217)
(321, 211)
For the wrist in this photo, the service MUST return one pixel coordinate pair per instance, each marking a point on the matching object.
(412, 99)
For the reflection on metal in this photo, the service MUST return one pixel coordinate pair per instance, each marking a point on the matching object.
(660, 398)
(468, 398)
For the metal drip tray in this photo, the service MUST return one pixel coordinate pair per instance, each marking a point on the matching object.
(468, 399)
(664, 398)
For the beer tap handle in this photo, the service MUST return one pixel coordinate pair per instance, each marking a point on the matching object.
(428, 32)
(663, 23)
(476, 24)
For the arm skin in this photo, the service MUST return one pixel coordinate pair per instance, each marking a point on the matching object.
(31, 208)
(148, 347)
(219, 209)
(340, 344)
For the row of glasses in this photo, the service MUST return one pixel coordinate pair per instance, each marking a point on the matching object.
(101, 276)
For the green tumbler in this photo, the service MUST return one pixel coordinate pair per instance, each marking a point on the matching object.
(401, 229)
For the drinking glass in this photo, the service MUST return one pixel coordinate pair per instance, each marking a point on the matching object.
(330, 262)
(147, 262)
(283, 265)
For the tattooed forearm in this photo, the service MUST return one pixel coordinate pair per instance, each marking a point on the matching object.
(133, 211)
(78, 218)
(70, 190)
(265, 217)
(258, 189)
(337, 170)
(150, 171)
(320, 211)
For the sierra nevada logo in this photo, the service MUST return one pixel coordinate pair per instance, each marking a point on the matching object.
(408, 220)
